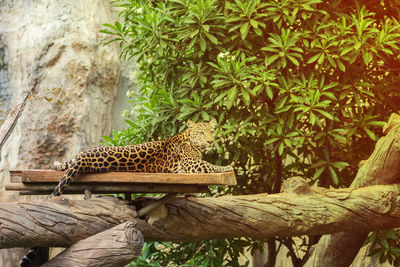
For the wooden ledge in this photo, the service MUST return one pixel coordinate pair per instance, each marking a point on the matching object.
(32, 182)
(51, 176)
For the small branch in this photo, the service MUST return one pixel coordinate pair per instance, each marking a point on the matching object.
(289, 245)
(114, 247)
(8, 125)
(279, 174)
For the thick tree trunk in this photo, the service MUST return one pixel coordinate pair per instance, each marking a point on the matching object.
(300, 210)
(382, 167)
(114, 247)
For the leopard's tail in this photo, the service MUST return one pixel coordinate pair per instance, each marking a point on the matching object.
(69, 174)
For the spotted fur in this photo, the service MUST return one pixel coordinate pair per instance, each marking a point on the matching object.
(178, 154)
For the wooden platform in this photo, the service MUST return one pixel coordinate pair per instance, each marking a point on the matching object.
(37, 182)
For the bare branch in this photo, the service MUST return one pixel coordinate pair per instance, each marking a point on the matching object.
(8, 125)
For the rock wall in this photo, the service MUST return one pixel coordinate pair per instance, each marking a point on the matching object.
(46, 44)
(5, 92)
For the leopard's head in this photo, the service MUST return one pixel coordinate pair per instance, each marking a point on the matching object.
(201, 135)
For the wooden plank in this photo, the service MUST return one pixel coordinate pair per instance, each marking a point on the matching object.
(45, 176)
(47, 188)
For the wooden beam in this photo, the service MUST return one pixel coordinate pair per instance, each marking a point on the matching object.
(46, 176)
(44, 189)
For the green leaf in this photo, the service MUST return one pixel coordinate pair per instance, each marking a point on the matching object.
(212, 38)
(269, 92)
(245, 96)
(395, 251)
(340, 164)
(367, 58)
(232, 95)
(202, 43)
(280, 148)
(376, 123)
(321, 58)
(244, 30)
(324, 113)
(287, 142)
(254, 23)
(341, 65)
(370, 133)
(271, 140)
(258, 31)
(318, 172)
(385, 244)
(313, 118)
(313, 58)
(334, 176)
(370, 239)
(293, 60)
(346, 50)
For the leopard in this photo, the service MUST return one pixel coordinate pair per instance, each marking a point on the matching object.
(181, 153)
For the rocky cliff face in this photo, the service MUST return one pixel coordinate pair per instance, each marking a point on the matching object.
(46, 44)
(56, 44)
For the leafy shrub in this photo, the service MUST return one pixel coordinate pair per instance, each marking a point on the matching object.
(385, 245)
(297, 87)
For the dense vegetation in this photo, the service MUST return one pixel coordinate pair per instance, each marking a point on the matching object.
(298, 87)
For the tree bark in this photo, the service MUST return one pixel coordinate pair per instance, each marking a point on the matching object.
(59, 222)
(114, 247)
(299, 210)
(382, 167)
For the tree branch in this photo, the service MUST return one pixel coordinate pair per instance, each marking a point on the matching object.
(8, 125)
(299, 210)
(114, 247)
(59, 222)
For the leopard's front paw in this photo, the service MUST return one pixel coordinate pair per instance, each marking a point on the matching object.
(58, 166)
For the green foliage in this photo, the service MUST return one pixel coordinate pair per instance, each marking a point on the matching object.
(297, 87)
(217, 252)
(385, 245)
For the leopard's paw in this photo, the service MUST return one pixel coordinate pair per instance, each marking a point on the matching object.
(59, 166)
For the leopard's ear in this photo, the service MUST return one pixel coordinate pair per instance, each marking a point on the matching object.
(190, 124)
(213, 123)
